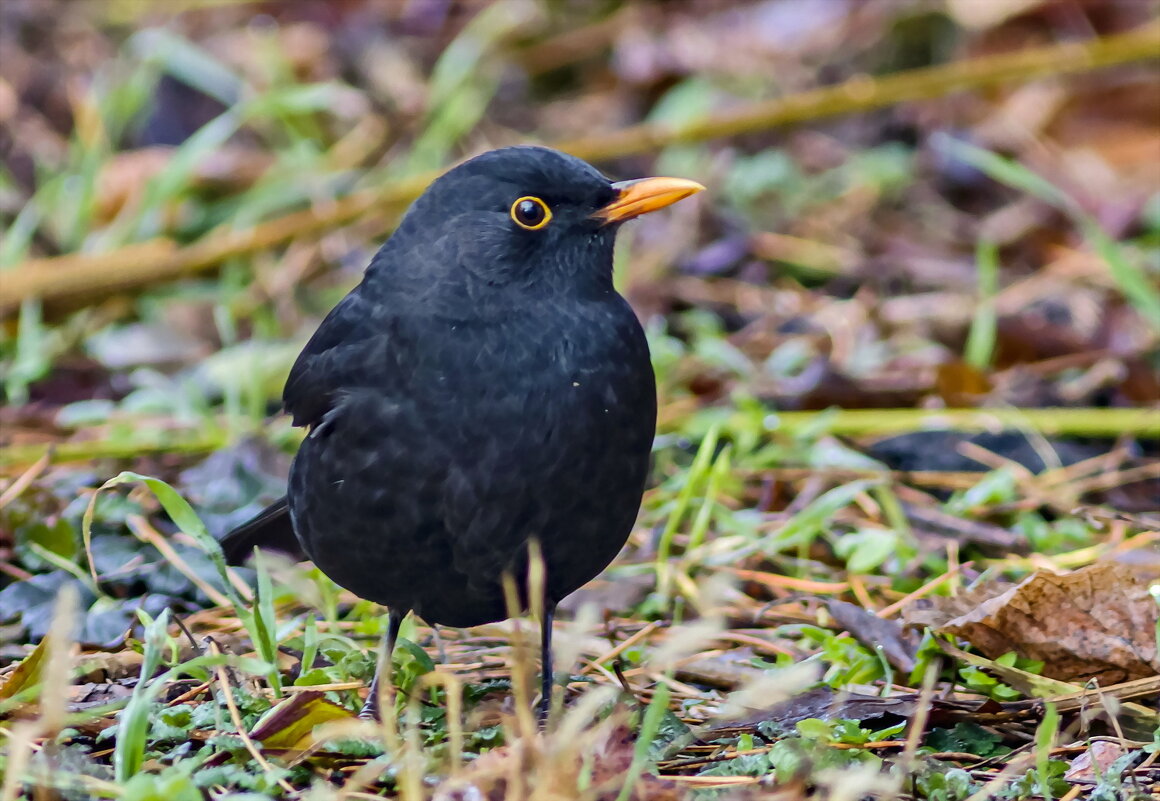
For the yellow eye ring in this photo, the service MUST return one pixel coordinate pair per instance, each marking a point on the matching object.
(531, 213)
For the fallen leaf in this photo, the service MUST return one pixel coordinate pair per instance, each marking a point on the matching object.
(724, 670)
(1094, 762)
(27, 673)
(290, 725)
(1096, 623)
(1138, 719)
(897, 645)
(87, 696)
(823, 703)
(961, 384)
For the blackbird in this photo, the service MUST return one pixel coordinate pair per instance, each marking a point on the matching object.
(482, 388)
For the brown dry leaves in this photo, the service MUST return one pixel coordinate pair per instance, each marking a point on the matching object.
(1098, 622)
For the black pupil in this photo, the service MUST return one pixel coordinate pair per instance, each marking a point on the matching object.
(530, 212)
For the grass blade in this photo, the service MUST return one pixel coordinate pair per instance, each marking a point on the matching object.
(1129, 278)
(981, 339)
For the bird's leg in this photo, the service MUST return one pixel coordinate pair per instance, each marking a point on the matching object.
(370, 709)
(547, 677)
(440, 649)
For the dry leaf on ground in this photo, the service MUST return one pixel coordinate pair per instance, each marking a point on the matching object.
(898, 646)
(1098, 622)
(1094, 762)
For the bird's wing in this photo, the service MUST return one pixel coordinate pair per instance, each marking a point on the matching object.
(340, 353)
(343, 352)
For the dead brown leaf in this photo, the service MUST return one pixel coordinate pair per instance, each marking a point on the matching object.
(725, 670)
(821, 702)
(1094, 762)
(1098, 622)
(961, 384)
(898, 646)
(88, 696)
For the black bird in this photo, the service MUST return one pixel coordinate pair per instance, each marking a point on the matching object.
(484, 387)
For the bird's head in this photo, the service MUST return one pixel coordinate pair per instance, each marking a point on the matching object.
(526, 215)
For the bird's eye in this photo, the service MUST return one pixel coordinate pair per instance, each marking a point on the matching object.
(531, 213)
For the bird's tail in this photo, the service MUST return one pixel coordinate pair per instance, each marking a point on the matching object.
(270, 530)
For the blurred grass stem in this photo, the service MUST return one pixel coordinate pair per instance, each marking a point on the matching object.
(1050, 422)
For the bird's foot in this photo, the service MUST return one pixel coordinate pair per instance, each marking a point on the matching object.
(370, 710)
(544, 711)
(370, 707)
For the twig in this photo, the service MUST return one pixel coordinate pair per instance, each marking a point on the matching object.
(865, 93)
(574, 44)
(24, 481)
(88, 450)
(1050, 422)
(776, 581)
(146, 533)
(920, 717)
(190, 694)
(236, 716)
(925, 589)
(85, 277)
(622, 647)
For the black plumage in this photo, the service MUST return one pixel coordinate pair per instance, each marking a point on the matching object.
(482, 387)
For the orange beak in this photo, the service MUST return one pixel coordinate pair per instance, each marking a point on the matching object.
(634, 198)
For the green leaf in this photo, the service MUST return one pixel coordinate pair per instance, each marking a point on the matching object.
(189, 63)
(410, 662)
(183, 516)
(1044, 741)
(1131, 280)
(746, 765)
(134, 721)
(27, 674)
(965, 737)
(789, 759)
(808, 524)
(265, 624)
(463, 82)
(672, 733)
(173, 723)
(866, 548)
(654, 713)
(815, 729)
(33, 357)
(174, 784)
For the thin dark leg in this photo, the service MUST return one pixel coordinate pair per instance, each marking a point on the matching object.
(546, 678)
(370, 709)
(440, 650)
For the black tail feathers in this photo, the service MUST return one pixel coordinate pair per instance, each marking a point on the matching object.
(269, 530)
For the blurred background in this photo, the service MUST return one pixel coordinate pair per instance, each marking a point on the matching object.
(187, 187)
(906, 343)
